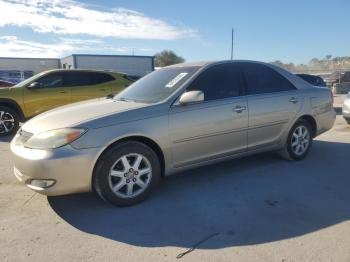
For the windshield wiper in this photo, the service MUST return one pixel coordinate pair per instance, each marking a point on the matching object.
(131, 100)
(125, 99)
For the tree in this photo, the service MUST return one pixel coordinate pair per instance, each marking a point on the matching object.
(167, 57)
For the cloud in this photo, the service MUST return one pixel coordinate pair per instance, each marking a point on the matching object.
(11, 46)
(68, 17)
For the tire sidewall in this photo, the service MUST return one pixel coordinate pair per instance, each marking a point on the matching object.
(289, 141)
(101, 181)
(15, 117)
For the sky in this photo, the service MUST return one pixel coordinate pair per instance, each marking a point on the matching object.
(291, 31)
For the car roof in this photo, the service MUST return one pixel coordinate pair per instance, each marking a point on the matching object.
(83, 70)
(208, 63)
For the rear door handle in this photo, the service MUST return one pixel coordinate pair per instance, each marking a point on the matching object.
(239, 109)
(294, 100)
(63, 92)
(103, 89)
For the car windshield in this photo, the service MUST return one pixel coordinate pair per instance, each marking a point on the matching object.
(158, 85)
(28, 80)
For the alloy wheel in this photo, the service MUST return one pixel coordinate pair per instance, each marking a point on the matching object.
(300, 140)
(130, 175)
(7, 122)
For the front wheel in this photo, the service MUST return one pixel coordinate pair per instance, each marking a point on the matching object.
(299, 141)
(9, 121)
(127, 173)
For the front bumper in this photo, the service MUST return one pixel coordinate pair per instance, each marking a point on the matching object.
(69, 168)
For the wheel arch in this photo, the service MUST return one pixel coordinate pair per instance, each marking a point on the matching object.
(13, 105)
(142, 139)
(311, 120)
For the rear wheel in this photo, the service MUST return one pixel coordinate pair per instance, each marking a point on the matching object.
(299, 141)
(9, 121)
(127, 173)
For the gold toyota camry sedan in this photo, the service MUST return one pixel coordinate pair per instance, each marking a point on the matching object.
(176, 118)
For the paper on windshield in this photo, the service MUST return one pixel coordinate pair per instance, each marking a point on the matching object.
(176, 80)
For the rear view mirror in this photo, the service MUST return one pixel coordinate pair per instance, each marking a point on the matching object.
(34, 85)
(191, 97)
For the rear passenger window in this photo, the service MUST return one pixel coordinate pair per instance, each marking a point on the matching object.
(100, 78)
(262, 79)
(86, 78)
(218, 82)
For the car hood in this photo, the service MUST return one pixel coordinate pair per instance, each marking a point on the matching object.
(78, 113)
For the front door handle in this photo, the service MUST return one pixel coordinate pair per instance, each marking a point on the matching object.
(103, 89)
(239, 109)
(294, 100)
(63, 92)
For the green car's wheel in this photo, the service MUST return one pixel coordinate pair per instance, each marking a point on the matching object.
(9, 121)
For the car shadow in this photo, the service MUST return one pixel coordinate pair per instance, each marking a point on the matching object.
(246, 201)
(6, 138)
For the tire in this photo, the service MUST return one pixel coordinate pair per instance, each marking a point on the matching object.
(9, 121)
(121, 161)
(290, 151)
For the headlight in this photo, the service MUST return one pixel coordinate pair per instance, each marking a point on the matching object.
(54, 138)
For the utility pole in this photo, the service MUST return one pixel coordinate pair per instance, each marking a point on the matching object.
(232, 35)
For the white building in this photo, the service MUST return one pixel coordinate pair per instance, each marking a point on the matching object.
(16, 69)
(131, 65)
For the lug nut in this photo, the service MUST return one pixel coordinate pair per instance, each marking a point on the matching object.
(128, 181)
(130, 169)
(125, 174)
(136, 173)
(134, 179)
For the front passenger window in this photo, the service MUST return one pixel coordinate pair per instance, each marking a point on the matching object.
(51, 81)
(218, 82)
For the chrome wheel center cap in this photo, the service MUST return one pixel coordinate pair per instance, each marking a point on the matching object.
(130, 175)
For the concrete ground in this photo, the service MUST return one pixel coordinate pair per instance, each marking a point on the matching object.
(259, 208)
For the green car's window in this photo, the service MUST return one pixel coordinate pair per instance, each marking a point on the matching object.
(100, 78)
(29, 80)
(51, 80)
(86, 78)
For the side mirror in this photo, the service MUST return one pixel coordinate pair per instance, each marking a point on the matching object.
(191, 97)
(34, 85)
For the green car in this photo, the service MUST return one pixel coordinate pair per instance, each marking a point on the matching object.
(54, 88)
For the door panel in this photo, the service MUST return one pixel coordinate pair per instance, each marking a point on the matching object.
(40, 100)
(269, 115)
(272, 100)
(80, 93)
(207, 130)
